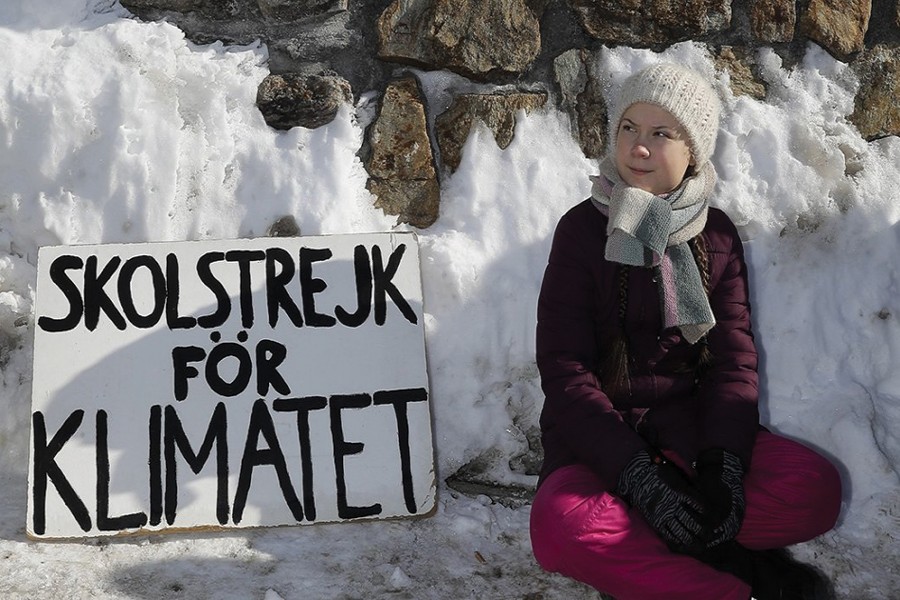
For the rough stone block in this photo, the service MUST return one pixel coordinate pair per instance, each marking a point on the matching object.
(877, 112)
(400, 162)
(292, 10)
(839, 26)
(646, 23)
(472, 37)
(291, 99)
(773, 20)
(497, 111)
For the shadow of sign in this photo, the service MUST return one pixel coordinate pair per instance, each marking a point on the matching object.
(228, 384)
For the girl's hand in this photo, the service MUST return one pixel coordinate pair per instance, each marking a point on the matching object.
(669, 503)
(721, 482)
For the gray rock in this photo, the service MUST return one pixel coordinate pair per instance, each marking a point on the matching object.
(175, 5)
(582, 97)
(571, 76)
(507, 495)
(592, 116)
(302, 36)
(285, 226)
(199, 10)
(475, 38)
(292, 99)
(646, 23)
(291, 10)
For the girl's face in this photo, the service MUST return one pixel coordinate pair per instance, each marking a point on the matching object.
(652, 153)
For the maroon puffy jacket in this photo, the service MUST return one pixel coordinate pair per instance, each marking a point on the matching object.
(667, 408)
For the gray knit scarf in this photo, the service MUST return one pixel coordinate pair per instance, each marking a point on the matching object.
(645, 230)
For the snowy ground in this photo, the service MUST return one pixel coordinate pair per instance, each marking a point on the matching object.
(113, 130)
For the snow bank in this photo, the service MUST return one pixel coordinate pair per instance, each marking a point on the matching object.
(112, 130)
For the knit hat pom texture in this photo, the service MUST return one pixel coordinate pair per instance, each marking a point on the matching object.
(685, 94)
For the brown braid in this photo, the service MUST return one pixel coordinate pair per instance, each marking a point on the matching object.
(614, 369)
(701, 256)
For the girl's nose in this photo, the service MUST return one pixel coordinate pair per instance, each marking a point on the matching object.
(639, 150)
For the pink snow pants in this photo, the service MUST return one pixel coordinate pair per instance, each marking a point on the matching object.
(580, 530)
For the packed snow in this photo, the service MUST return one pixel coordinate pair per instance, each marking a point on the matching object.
(116, 130)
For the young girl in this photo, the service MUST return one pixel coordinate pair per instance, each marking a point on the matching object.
(658, 481)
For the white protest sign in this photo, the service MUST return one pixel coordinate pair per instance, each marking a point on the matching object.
(228, 384)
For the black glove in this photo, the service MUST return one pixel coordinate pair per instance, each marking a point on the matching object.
(777, 576)
(721, 482)
(771, 574)
(661, 492)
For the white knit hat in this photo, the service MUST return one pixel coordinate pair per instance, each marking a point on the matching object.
(684, 93)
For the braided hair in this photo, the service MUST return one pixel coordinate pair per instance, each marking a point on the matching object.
(701, 256)
(614, 366)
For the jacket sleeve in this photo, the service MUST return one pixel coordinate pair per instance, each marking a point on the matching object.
(577, 413)
(729, 389)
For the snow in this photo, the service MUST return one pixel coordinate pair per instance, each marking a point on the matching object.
(114, 130)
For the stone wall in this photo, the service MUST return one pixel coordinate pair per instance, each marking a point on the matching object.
(326, 52)
(520, 55)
